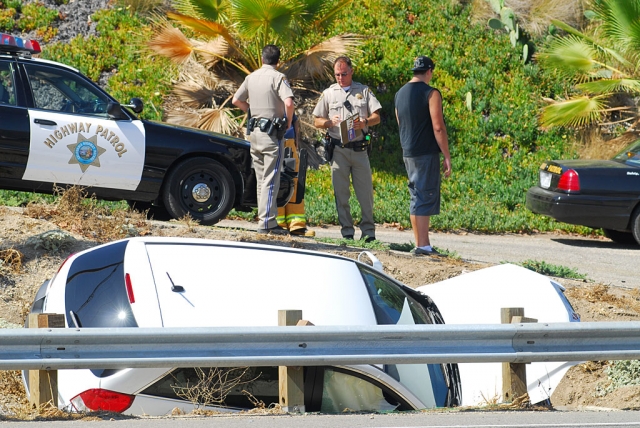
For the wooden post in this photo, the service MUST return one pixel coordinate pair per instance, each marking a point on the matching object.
(291, 379)
(514, 375)
(43, 384)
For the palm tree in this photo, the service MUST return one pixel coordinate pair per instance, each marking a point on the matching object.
(228, 36)
(602, 62)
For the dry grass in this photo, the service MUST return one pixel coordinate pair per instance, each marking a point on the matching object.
(189, 222)
(481, 11)
(11, 260)
(605, 302)
(534, 15)
(595, 146)
(213, 385)
(593, 366)
(77, 212)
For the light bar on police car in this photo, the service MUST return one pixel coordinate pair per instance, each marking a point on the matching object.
(9, 43)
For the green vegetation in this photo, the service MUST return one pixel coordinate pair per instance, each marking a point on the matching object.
(118, 50)
(603, 64)
(496, 147)
(548, 269)
(496, 143)
(374, 245)
(621, 373)
(20, 16)
(227, 46)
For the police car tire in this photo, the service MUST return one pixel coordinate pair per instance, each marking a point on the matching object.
(204, 174)
(635, 224)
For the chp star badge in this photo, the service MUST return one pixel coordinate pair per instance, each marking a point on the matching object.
(86, 152)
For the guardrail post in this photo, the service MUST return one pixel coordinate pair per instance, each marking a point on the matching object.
(291, 381)
(43, 384)
(514, 375)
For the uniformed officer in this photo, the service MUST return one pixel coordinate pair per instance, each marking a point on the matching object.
(269, 95)
(350, 161)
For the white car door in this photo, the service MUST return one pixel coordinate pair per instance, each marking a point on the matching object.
(73, 140)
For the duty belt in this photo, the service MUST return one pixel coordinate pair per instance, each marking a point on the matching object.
(259, 122)
(356, 146)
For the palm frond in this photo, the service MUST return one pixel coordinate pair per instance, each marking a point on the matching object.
(262, 17)
(186, 7)
(574, 112)
(196, 72)
(213, 50)
(203, 26)
(219, 120)
(607, 86)
(205, 9)
(171, 43)
(329, 15)
(317, 61)
(597, 45)
(620, 22)
(184, 118)
(571, 56)
(310, 9)
(193, 95)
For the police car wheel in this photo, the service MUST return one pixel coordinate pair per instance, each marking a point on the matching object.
(200, 187)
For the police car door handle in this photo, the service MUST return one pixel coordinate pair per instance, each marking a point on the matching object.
(45, 122)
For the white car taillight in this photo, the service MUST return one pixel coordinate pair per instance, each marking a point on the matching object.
(96, 399)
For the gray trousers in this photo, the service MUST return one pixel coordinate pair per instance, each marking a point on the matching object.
(348, 166)
(266, 152)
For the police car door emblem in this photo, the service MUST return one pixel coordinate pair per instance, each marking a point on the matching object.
(86, 152)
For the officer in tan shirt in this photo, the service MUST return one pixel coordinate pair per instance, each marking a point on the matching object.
(350, 161)
(267, 92)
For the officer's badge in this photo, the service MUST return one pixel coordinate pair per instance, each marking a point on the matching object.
(86, 152)
(359, 96)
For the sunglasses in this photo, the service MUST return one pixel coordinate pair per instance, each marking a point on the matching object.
(341, 74)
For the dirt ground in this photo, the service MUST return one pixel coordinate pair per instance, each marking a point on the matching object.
(25, 264)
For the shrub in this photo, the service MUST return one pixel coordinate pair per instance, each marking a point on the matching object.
(496, 147)
(117, 52)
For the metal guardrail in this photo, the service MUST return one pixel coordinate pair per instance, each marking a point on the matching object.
(51, 349)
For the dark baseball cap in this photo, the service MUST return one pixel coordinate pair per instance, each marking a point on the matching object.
(423, 63)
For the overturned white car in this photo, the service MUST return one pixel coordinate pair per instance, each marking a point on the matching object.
(177, 282)
(174, 282)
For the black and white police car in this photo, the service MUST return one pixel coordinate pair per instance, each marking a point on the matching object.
(59, 128)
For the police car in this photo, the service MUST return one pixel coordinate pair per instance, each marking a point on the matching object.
(58, 128)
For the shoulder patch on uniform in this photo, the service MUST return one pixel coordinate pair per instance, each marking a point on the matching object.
(286, 82)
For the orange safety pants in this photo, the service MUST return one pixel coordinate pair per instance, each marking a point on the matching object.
(292, 216)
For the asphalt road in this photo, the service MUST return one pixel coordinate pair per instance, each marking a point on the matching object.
(602, 260)
(520, 419)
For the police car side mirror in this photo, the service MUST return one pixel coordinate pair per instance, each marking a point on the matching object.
(136, 105)
(114, 110)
